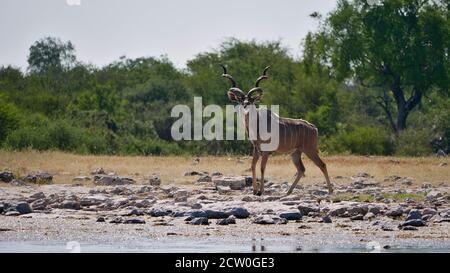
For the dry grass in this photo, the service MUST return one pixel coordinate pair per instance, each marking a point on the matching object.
(280, 168)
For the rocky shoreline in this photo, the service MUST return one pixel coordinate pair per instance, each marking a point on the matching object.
(363, 206)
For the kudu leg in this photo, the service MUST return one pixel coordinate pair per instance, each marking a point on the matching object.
(254, 162)
(323, 167)
(297, 159)
(264, 158)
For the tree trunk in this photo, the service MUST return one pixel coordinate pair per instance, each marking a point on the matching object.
(404, 107)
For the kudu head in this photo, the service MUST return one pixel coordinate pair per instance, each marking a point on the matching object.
(237, 95)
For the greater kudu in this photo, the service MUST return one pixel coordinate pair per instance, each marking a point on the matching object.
(296, 136)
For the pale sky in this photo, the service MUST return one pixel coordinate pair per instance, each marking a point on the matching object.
(104, 30)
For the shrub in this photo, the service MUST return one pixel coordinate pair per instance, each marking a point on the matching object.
(361, 140)
(414, 142)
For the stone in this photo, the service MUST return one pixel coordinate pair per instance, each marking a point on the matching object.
(374, 209)
(433, 195)
(215, 214)
(17, 182)
(69, 204)
(269, 220)
(362, 182)
(429, 211)
(154, 212)
(196, 206)
(369, 216)
(194, 173)
(363, 174)
(100, 219)
(226, 221)
(37, 195)
(291, 215)
(205, 178)
(12, 213)
(39, 178)
(155, 180)
(395, 212)
(414, 214)
(238, 212)
(117, 220)
(93, 200)
(23, 208)
(358, 217)
(414, 223)
(196, 214)
(134, 221)
(408, 228)
(81, 179)
(326, 219)
(216, 174)
(338, 210)
(199, 221)
(98, 171)
(39, 204)
(6, 176)
(405, 181)
(306, 208)
(233, 182)
(111, 180)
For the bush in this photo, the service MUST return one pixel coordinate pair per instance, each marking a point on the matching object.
(361, 140)
(10, 119)
(414, 142)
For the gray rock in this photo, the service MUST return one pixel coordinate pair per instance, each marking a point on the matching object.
(20, 207)
(358, 217)
(154, 212)
(291, 215)
(37, 195)
(81, 178)
(326, 219)
(233, 182)
(69, 204)
(196, 214)
(414, 214)
(414, 223)
(405, 181)
(100, 219)
(216, 214)
(134, 221)
(155, 180)
(17, 182)
(205, 178)
(362, 182)
(306, 208)
(369, 216)
(238, 212)
(6, 176)
(269, 220)
(12, 213)
(39, 204)
(194, 173)
(39, 178)
(93, 200)
(433, 195)
(230, 220)
(117, 220)
(395, 212)
(374, 209)
(429, 211)
(111, 180)
(199, 221)
(98, 171)
(408, 228)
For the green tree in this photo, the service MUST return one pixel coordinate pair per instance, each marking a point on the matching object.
(51, 53)
(399, 47)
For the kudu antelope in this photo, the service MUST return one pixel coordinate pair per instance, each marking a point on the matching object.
(296, 136)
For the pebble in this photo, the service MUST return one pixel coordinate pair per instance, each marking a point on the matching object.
(291, 215)
(199, 221)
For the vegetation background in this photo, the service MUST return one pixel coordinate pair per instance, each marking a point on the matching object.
(374, 79)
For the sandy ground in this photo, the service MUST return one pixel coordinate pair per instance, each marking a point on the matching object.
(171, 169)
